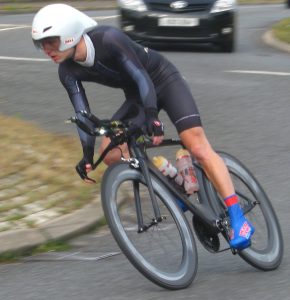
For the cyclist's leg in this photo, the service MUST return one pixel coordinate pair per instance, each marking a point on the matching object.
(195, 140)
(115, 154)
(177, 100)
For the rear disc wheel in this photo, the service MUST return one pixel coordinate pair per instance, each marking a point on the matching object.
(266, 250)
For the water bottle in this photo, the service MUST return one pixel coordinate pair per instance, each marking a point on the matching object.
(185, 168)
(164, 166)
(167, 169)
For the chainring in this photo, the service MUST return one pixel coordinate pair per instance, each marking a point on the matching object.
(208, 239)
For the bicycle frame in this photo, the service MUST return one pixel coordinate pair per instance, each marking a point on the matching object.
(202, 210)
(140, 160)
(209, 216)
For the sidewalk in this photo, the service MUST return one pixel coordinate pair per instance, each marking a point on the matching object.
(61, 228)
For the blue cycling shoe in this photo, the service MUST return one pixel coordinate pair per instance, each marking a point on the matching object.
(241, 229)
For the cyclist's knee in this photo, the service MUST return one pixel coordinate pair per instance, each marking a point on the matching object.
(201, 152)
(111, 157)
(115, 154)
(196, 142)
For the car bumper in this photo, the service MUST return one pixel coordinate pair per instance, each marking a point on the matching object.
(210, 28)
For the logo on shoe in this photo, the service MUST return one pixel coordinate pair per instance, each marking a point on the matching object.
(245, 230)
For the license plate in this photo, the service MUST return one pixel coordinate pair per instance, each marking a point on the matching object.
(178, 22)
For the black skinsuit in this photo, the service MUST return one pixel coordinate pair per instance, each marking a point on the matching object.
(148, 80)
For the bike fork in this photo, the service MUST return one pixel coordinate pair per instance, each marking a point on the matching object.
(138, 206)
(140, 162)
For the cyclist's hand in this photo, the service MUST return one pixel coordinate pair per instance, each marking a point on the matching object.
(83, 168)
(157, 139)
(155, 127)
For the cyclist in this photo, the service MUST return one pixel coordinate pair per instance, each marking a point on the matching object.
(105, 55)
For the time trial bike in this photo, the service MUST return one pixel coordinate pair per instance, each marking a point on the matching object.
(142, 209)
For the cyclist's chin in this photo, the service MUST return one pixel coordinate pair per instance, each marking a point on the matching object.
(58, 59)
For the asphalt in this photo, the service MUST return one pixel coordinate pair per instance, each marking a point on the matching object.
(26, 6)
(80, 221)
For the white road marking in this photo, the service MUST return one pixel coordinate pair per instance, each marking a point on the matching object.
(14, 27)
(251, 7)
(259, 72)
(24, 58)
(85, 258)
(68, 255)
(11, 25)
(21, 26)
(105, 18)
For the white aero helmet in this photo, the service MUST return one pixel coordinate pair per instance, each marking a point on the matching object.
(63, 21)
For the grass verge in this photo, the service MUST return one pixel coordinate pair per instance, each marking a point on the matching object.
(38, 167)
(281, 30)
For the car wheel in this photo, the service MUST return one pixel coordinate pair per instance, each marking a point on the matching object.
(227, 45)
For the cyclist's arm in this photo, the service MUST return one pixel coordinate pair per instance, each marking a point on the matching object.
(119, 46)
(121, 49)
(79, 101)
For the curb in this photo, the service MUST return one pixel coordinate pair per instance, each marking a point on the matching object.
(62, 228)
(269, 39)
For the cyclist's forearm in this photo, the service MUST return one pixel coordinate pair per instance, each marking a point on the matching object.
(80, 103)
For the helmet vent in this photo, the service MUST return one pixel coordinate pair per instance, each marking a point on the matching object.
(47, 28)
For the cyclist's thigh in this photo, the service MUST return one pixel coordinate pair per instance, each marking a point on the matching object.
(176, 99)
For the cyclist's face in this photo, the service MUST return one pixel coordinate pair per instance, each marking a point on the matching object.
(50, 47)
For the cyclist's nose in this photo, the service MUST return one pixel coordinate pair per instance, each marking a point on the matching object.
(48, 50)
(47, 47)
